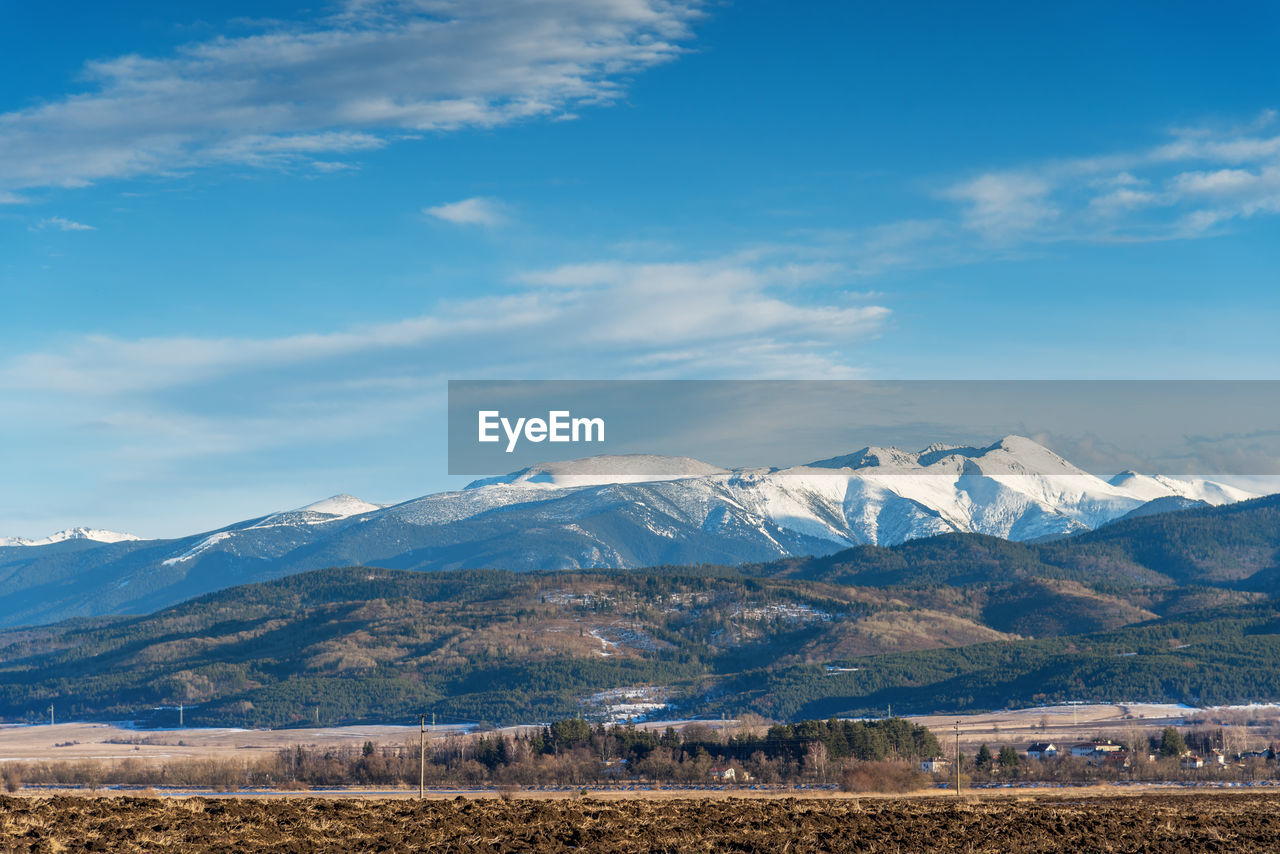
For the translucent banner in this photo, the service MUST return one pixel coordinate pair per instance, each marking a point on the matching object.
(644, 428)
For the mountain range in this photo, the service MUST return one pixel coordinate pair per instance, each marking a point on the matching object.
(1171, 607)
(583, 515)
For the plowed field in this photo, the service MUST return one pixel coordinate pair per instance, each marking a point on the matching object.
(1228, 822)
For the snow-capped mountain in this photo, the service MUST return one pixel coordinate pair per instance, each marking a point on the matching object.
(582, 514)
(93, 534)
(327, 510)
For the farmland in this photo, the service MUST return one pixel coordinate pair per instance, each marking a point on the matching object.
(1150, 822)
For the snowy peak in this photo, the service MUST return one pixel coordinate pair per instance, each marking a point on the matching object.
(1022, 456)
(1152, 487)
(95, 534)
(665, 510)
(655, 509)
(280, 528)
(602, 470)
(331, 509)
(341, 506)
(1011, 455)
(871, 457)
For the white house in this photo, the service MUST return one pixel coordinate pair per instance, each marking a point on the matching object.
(1042, 750)
(1094, 748)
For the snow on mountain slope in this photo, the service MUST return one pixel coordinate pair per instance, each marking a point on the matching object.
(341, 506)
(604, 469)
(276, 535)
(1158, 486)
(94, 534)
(582, 513)
(1014, 488)
(666, 510)
(327, 510)
(199, 548)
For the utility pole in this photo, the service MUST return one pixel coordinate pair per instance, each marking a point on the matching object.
(180, 726)
(422, 753)
(957, 759)
(51, 714)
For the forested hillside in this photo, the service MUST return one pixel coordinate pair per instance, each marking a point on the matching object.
(1161, 608)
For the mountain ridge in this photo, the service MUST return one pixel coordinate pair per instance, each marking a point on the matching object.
(96, 535)
(584, 514)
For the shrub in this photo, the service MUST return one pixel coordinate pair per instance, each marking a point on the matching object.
(890, 777)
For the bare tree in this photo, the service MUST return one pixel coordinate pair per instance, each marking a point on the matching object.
(815, 759)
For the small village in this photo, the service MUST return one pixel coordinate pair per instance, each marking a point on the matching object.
(1166, 757)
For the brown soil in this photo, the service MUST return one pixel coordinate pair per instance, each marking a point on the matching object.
(1165, 822)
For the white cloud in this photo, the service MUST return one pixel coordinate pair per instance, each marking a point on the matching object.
(344, 83)
(1228, 181)
(62, 224)
(7, 198)
(708, 318)
(191, 413)
(474, 211)
(1183, 188)
(1003, 205)
(102, 365)
(1124, 199)
(333, 166)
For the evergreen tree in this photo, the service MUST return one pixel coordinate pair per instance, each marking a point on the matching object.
(1172, 743)
(984, 758)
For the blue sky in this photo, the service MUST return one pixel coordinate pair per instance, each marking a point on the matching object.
(243, 246)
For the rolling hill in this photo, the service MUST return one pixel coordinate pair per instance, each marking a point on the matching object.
(1168, 607)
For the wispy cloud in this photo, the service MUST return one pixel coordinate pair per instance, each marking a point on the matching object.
(1004, 206)
(62, 224)
(1184, 188)
(474, 211)
(719, 317)
(160, 409)
(347, 82)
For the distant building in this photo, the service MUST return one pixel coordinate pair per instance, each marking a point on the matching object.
(724, 773)
(614, 767)
(1118, 759)
(1091, 749)
(1042, 750)
(1217, 757)
(934, 766)
(1191, 760)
